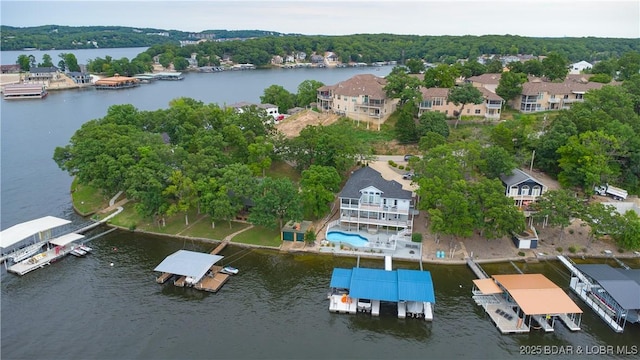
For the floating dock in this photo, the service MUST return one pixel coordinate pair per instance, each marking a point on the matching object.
(521, 302)
(24, 91)
(612, 293)
(193, 269)
(37, 243)
(363, 290)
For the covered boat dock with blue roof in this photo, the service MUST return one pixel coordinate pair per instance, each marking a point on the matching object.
(362, 289)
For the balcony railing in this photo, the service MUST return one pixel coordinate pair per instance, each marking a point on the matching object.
(370, 221)
(375, 208)
(493, 105)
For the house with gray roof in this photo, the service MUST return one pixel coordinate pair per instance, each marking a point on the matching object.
(522, 187)
(369, 202)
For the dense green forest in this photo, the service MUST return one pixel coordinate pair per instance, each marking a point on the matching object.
(371, 48)
(261, 46)
(88, 37)
(216, 158)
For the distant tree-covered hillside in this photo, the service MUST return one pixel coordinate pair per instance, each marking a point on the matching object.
(369, 48)
(87, 37)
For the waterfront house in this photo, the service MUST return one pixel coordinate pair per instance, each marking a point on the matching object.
(80, 77)
(370, 203)
(41, 75)
(317, 59)
(10, 69)
(435, 99)
(361, 97)
(522, 187)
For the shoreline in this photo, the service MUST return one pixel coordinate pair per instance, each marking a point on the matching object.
(354, 255)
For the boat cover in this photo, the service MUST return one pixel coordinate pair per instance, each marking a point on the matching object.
(65, 239)
(188, 263)
(27, 229)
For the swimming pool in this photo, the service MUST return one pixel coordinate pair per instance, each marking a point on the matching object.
(354, 240)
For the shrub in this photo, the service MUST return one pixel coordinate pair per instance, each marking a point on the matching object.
(393, 163)
(571, 231)
(584, 250)
(310, 235)
(401, 167)
(407, 168)
(521, 253)
(559, 249)
(620, 250)
(416, 237)
(132, 227)
(572, 249)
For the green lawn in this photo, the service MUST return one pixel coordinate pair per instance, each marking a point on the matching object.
(87, 199)
(128, 218)
(202, 229)
(259, 236)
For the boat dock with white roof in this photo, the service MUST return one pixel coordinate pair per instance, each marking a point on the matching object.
(33, 236)
(193, 269)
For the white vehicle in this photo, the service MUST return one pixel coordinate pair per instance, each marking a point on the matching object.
(614, 192)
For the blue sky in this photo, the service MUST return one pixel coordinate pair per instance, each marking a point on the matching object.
(548, 18)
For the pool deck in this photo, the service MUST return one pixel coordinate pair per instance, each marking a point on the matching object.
(381, 245)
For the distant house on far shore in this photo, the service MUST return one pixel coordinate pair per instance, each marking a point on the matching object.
(10, 69)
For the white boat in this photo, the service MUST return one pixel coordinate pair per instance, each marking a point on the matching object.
(85, 248)
(27, 252)
(229, 270)
(78, 252)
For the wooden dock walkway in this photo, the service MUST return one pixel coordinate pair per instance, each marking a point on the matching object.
(477, 269)
(220, 247)
(213, 282)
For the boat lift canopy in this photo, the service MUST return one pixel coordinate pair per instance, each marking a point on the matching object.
(385, 285)
(27, 229)
(487, 286)
(188, 263)
(623, 285)
(537, 295)
(66, 239)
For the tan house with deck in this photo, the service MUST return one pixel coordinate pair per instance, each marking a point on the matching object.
(435, 99)
(361, 97)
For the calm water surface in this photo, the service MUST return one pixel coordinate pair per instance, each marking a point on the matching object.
(83, 308)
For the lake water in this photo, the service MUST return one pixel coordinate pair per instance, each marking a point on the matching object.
(276, 307)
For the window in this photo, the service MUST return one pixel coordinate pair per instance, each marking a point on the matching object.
(468, 111)
(477, 111)
(438, 101)
(524, 190)
(536, 190)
